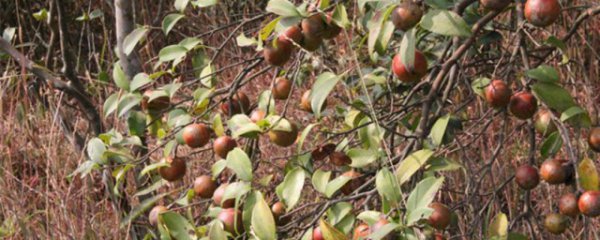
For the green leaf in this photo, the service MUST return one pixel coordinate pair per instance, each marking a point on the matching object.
(370, 135)
(383, 231)
(110, 105)
(95, 150)
(479, 85)
(266, 31)
(439, 130)
(544, 73)
(140, 209)
(438, 164)
(218, 167)
(282, 8)
(96, 14)
(411, 164)
(290, 190)
(362, 157)
(216, 231)
(243, 41)
(266, 102)
(139, 80)
(407, 48)
(172, 52)
(238, 161)
(576, 116)
(236, 190)
(369, 217)
(8, 34)
(179, 227)
(241, 125)
(263, 222)
(169, 22)
(340, 16)
(446, 23)
(218, 125)
(132, 39)
(330, 232)
(499, 226)
(321, 89)
(119, 77)
(320, 179)
(387, 186)
(136, 123)
(588, 175)
(41, 15)
(190, 43)
(303, 136)
(553, 95)
(127, 102)
(153, 167)
(335, 185)
(551, 145)
(180, 5)
(420, 197)
(205, 3)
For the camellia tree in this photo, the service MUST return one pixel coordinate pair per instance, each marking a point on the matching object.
(381, 120)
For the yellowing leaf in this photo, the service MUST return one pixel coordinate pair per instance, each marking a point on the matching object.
(588, 176)
(330, 232)
(498, 226)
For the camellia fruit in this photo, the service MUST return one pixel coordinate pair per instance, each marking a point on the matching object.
(196, 135)
(232, 220)
(556, 171)
(556, 223)
(284, 138)
(527, 177)
(278, 210)
(157, 210)
(282, 88)
(291, 35)
(313, 27)
(257, 115)
(317, 234)
(441, 216)
(410, 75)
(594, 139)
(339, 159)
(354, 183)
(361, 232)
(498, 94)
(523, 105)
(175, 170)
(406, 16)
(223, 145)
(497, 5)
(589, 203)
(567, 205)
(331, 28)
(542, 13)
(277, 53)
(204, 186)
(239, 104)
(218, 197)
(544, 124)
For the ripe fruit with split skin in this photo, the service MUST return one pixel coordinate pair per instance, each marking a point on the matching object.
(567, 205)
(527, 177)
(542, 13)
(291, 35)
(497, 5)
(157, 210)
(196, 135)
(410, 75)
(556, 223)
(223, 145)
(355, 182)
(594, 139)
(361, 232)
(340, 159)
(204, 186)
(441, 216)
(239, 104)
(282, 88)
(544, 124)
(157, 105)
(406, 16)
(175, 170)
(589, 203)
(284, 138)
(317, 234)
(257, 115)
(556, 171)
(498, 94)
(277, 53)
(218, 197)
(232, 221)
(523, 105)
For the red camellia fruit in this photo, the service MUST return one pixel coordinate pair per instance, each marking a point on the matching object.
(239, 104)
(317, 234)
(594, 139)
(232, 220)
(441, 216)
(314, 26)
(175, 170)
(218, 197)
(204, 186)
(523, 105)
(277, 54)
(497, 94)
(589, 203)
(196, 135)
(542, 13)
(281, 89)
(293, 33)
(406, 16)
(527, 177)
(410, 75)
(567, 205)
(223, 145)
(361, 232)
(556, 171)
(497, 5)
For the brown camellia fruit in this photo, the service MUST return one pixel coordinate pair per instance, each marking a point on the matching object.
(204, 186)
(354, 183)
(418, 70)
(556, 171)
(542, 13)
(305, 102)
(523, 105)
(339, 159)
(378, 225)
(441, 216)
(317, 234)
(239, 104)
(556, 223)
(218, 197)
(589, 203)
(527, 177)
(196, 135)
(543, 122)
(322, 152)
(497, 5)
(232, 220)
(406, 16)
(497, 94)
(567, 205)
(594, 139)
(281, 89)
(277, 53)
(291, 34)
(153, 216)
(284, 138)
(223, 145)
(257, 115)
(361, 232)
(175, 171)
(331, 29)
(157, 105)
(311, 44)
(314, 26)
